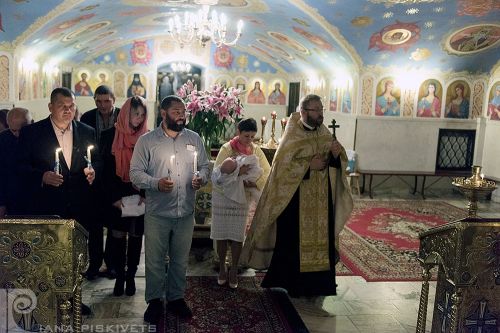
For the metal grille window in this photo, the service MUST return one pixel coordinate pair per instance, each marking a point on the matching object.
(455, 150)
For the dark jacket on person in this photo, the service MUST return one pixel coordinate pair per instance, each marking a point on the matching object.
(74, 198)
(90, 118)
(10, 191)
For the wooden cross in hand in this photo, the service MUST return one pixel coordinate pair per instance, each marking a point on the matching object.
(333, 126)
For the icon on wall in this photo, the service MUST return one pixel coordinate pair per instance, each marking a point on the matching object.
(429, 99)
(137, 88)
(256, 95)
(457, 100)
(387, 102)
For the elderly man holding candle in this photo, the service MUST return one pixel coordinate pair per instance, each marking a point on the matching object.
(68, 191)
(170, 185)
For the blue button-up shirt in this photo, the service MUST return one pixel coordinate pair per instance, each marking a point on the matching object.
(151, 161)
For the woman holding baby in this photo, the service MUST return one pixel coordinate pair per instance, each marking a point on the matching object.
(240, 172)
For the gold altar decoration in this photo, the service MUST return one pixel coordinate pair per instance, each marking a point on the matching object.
(42, 261)
(468, 282)
(272, 143)
(474, 188)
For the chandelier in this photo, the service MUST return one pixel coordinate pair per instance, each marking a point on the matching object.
(202, 28)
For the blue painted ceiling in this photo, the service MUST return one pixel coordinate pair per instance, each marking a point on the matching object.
(295, 35)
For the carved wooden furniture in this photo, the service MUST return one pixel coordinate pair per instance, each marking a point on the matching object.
(45, 258)
(467, 253)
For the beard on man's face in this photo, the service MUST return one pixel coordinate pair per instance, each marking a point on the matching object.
(173, 125)
(314, 122)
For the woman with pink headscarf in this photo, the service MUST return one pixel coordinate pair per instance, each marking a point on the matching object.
(125, 201)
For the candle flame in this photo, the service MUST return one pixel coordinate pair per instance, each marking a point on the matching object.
(58, 150)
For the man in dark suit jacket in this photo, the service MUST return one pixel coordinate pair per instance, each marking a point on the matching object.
(101, 118)
(69, 192)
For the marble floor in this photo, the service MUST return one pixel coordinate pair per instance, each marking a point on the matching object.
(360, 306)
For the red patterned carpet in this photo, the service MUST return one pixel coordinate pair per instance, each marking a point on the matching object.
(380, 241)
(247, 309)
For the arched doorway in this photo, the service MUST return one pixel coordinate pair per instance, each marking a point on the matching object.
(171, 76)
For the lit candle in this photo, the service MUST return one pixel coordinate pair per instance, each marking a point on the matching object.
(273, 114)
(89, 158)
(172, 160)
(195, 162)
(57, 154)
(263, 121)
(283, 122)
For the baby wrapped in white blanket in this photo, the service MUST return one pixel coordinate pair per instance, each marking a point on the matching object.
(225, 176)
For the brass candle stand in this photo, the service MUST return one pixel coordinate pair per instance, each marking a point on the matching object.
(272, 143)
(474, 188)
(263, 122)
(283, 125)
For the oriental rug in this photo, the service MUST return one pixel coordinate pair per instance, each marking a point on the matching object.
(380, 242)
(249, 308)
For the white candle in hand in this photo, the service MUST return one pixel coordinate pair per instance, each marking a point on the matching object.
(195, 162)
(172, 161)
(57, 154)
(89, 158)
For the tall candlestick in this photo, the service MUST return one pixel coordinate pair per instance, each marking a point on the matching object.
(195, 162)
(89, 156)
(263, 122)
(272, 143)
(283, 125)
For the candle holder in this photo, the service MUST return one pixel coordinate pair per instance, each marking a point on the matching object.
(474, 188)
(283, 125)
(272, 143)
(263, 122)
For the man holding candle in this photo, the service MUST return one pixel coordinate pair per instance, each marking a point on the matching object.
(303, 207)
(69, 193)
(170, 198)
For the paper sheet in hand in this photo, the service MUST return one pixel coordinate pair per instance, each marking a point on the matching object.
(131, 207)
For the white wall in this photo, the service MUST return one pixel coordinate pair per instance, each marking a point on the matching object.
(491, 150)
(398, 144)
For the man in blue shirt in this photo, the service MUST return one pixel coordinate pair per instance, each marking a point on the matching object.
(170, 163)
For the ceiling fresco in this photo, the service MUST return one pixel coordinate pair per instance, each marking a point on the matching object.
(293, 36)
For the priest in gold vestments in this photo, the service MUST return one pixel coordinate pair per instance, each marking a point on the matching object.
(304, 206)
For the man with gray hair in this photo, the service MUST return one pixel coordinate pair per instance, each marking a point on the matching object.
(10, 190)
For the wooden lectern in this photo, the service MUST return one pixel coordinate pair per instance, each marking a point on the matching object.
(45, 258)
(467, 253)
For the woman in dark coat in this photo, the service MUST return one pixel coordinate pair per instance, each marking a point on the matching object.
(125, 201)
